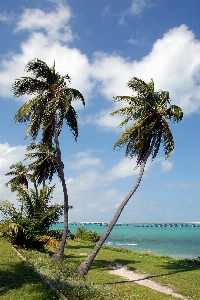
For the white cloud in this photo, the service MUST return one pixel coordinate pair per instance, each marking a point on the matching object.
(126, 167)
(108, 71)
(83, 160)
(104, 120)
(54, 23)
(166, 165)
(5, 18)
(173, 63)
(48, 46)
(137, 6)
(10, 155)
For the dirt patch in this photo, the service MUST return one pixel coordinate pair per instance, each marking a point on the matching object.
(143, 280)
(83, 254)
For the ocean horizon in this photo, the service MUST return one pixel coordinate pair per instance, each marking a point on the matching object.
(178, 240)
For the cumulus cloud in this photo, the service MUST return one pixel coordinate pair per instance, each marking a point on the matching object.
(83, 160)
(54, 23)
(173, 63)
(48, 31)
(126, 167)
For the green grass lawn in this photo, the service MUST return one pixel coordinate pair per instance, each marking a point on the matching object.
(182, 276)
(18, 281)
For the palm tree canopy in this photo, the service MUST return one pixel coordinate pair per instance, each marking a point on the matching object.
(52, 99)
(20, 175)
(151, 112)
(45, 163)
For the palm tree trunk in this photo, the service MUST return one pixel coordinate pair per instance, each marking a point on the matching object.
(59, 254)
(84, 267)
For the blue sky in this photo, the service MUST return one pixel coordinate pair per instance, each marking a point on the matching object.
(101, 45)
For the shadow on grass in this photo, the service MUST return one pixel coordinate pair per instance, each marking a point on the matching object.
(17, 275)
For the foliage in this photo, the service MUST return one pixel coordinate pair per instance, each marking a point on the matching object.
(37, 209)
(11, 231)
(52, 98)
(35, 218)
(8, 210)
(151, 110)
(48, 240)
(45, 163)
(57, 234)
(87, 235)
(20, 175)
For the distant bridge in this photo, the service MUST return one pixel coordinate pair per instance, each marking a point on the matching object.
(167, 224)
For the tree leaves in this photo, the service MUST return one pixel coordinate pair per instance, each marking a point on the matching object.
(150, 110)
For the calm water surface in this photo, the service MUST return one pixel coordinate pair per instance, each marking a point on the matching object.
(178, 242)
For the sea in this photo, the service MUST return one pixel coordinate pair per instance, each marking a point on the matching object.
(176, 240)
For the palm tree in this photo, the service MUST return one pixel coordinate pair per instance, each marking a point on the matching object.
(150, 110)
(45, 164)
(37, 211)
(20, 173)
(37, 215)
(21, 176)
(47, 110)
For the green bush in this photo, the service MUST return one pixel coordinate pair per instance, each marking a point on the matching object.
(84, 234)
(17, 235)
(57, 234)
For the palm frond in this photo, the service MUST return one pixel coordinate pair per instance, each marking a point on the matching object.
(8, 210)
(29, 86)
(149, 110)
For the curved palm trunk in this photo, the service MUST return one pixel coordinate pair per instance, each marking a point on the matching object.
(59, 254)
(84, 267)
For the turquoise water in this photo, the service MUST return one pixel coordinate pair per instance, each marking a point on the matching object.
(177, 242)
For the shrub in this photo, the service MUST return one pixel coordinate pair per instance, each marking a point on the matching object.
(57, 234)
(84, 234)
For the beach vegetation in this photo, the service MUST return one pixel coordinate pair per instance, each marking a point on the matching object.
(29, 225)
(148, 114)
(46, 112)
(86, 235)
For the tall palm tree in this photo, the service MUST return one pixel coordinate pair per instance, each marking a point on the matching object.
(150, 110)
(47, 110)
